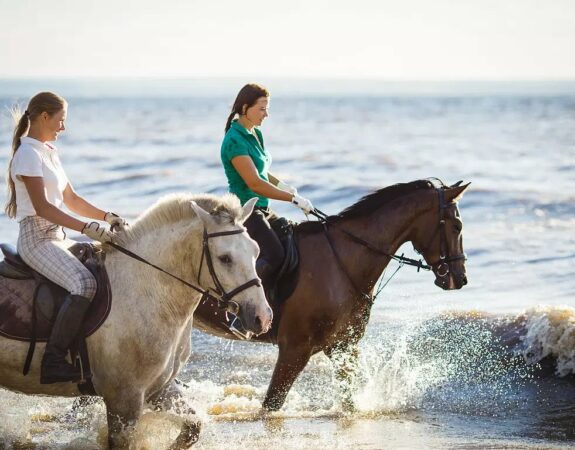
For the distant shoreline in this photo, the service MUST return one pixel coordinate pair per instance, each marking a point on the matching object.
(280, 87)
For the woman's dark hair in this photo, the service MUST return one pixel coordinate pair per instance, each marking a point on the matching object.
(248, 96)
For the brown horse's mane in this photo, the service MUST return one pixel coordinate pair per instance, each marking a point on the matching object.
(372, 201)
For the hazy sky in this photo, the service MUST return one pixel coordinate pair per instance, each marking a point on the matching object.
(399, 40)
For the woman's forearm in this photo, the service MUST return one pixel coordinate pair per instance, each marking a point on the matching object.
(273, 179)
(84, 208)
(267, 189)
(55, 215)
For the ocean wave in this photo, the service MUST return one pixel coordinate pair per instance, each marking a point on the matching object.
(550, 333)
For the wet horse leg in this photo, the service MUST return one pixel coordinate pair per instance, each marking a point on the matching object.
(123, 411)
(344, 358)
(291, 361)
(170, 398)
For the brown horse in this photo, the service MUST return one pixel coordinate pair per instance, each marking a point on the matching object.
(341, 260)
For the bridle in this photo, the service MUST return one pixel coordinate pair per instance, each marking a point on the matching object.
(223, 298)
(441, 266)
(444, 255)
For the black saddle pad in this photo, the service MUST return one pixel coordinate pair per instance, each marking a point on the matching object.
(286, 279)
(21, 288)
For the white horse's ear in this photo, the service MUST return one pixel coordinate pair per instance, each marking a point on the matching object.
(201, 213)
(248, 209)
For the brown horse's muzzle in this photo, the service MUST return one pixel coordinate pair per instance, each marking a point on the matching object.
(450, 280)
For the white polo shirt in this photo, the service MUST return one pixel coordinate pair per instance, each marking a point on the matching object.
(37, 159)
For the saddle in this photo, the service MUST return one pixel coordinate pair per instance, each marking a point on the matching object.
(30, 302)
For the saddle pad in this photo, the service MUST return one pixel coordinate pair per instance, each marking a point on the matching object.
(286, 279)
(16, 302)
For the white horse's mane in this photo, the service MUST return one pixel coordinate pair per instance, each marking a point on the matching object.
(175, 207)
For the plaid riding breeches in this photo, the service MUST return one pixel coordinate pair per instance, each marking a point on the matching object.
(44, 247)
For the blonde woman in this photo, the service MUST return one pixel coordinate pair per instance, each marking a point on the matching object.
(37, 189)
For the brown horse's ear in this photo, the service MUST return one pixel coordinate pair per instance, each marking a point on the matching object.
(248, 209)
(454, 193)
(202, 214)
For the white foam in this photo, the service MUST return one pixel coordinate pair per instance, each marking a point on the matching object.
(551, 332)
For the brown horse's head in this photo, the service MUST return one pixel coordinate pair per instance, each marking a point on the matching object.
(440, 238)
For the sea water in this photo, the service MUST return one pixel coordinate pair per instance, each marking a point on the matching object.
(435, 368)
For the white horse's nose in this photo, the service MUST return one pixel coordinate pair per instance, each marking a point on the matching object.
(263, 321)
(268, 318)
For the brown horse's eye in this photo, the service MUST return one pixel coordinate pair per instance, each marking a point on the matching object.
(225, 259)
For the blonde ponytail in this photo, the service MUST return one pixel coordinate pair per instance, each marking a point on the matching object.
(43, 102)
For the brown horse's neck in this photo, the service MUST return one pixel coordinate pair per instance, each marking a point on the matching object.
(386, 229)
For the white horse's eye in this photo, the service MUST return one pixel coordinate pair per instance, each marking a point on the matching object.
(225, 259)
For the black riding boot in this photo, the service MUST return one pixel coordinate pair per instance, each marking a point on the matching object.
(55, 368)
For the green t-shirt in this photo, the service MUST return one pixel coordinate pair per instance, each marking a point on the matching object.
(240, 142)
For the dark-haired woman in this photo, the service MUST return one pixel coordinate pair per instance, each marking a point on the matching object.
(246, 163)
(38, 187)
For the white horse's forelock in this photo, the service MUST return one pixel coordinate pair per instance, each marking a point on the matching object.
(176, 207)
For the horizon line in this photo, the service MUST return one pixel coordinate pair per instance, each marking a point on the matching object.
(288, 77)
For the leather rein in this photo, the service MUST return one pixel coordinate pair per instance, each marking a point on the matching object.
(223, 298)
(442, 262)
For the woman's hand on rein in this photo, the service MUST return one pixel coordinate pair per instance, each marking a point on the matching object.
(97, 232)
(302, 203)
(116, 222)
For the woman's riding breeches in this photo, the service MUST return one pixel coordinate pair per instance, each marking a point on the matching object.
(43, 246)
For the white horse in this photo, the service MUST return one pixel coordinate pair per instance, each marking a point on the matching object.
(137, 353)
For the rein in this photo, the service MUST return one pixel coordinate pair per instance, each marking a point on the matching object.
(224, 299)
(403, 260)
(441, 267)
(324, 219)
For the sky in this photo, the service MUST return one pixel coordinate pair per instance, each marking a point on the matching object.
(336, 39)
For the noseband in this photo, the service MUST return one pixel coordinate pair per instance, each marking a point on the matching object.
(224, 298)
(441, 266)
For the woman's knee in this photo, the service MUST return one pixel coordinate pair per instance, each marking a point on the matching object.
(86, 287)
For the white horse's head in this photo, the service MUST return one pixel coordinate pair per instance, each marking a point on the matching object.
(201, 238)
(228, 266)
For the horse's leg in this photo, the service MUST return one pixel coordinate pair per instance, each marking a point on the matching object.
(344, 358)
(171, 399)
(123, 412)
(291, 361)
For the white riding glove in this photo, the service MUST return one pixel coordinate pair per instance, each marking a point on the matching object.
(286, 187)
(116, 222)
(303, 203)
(97, 232)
